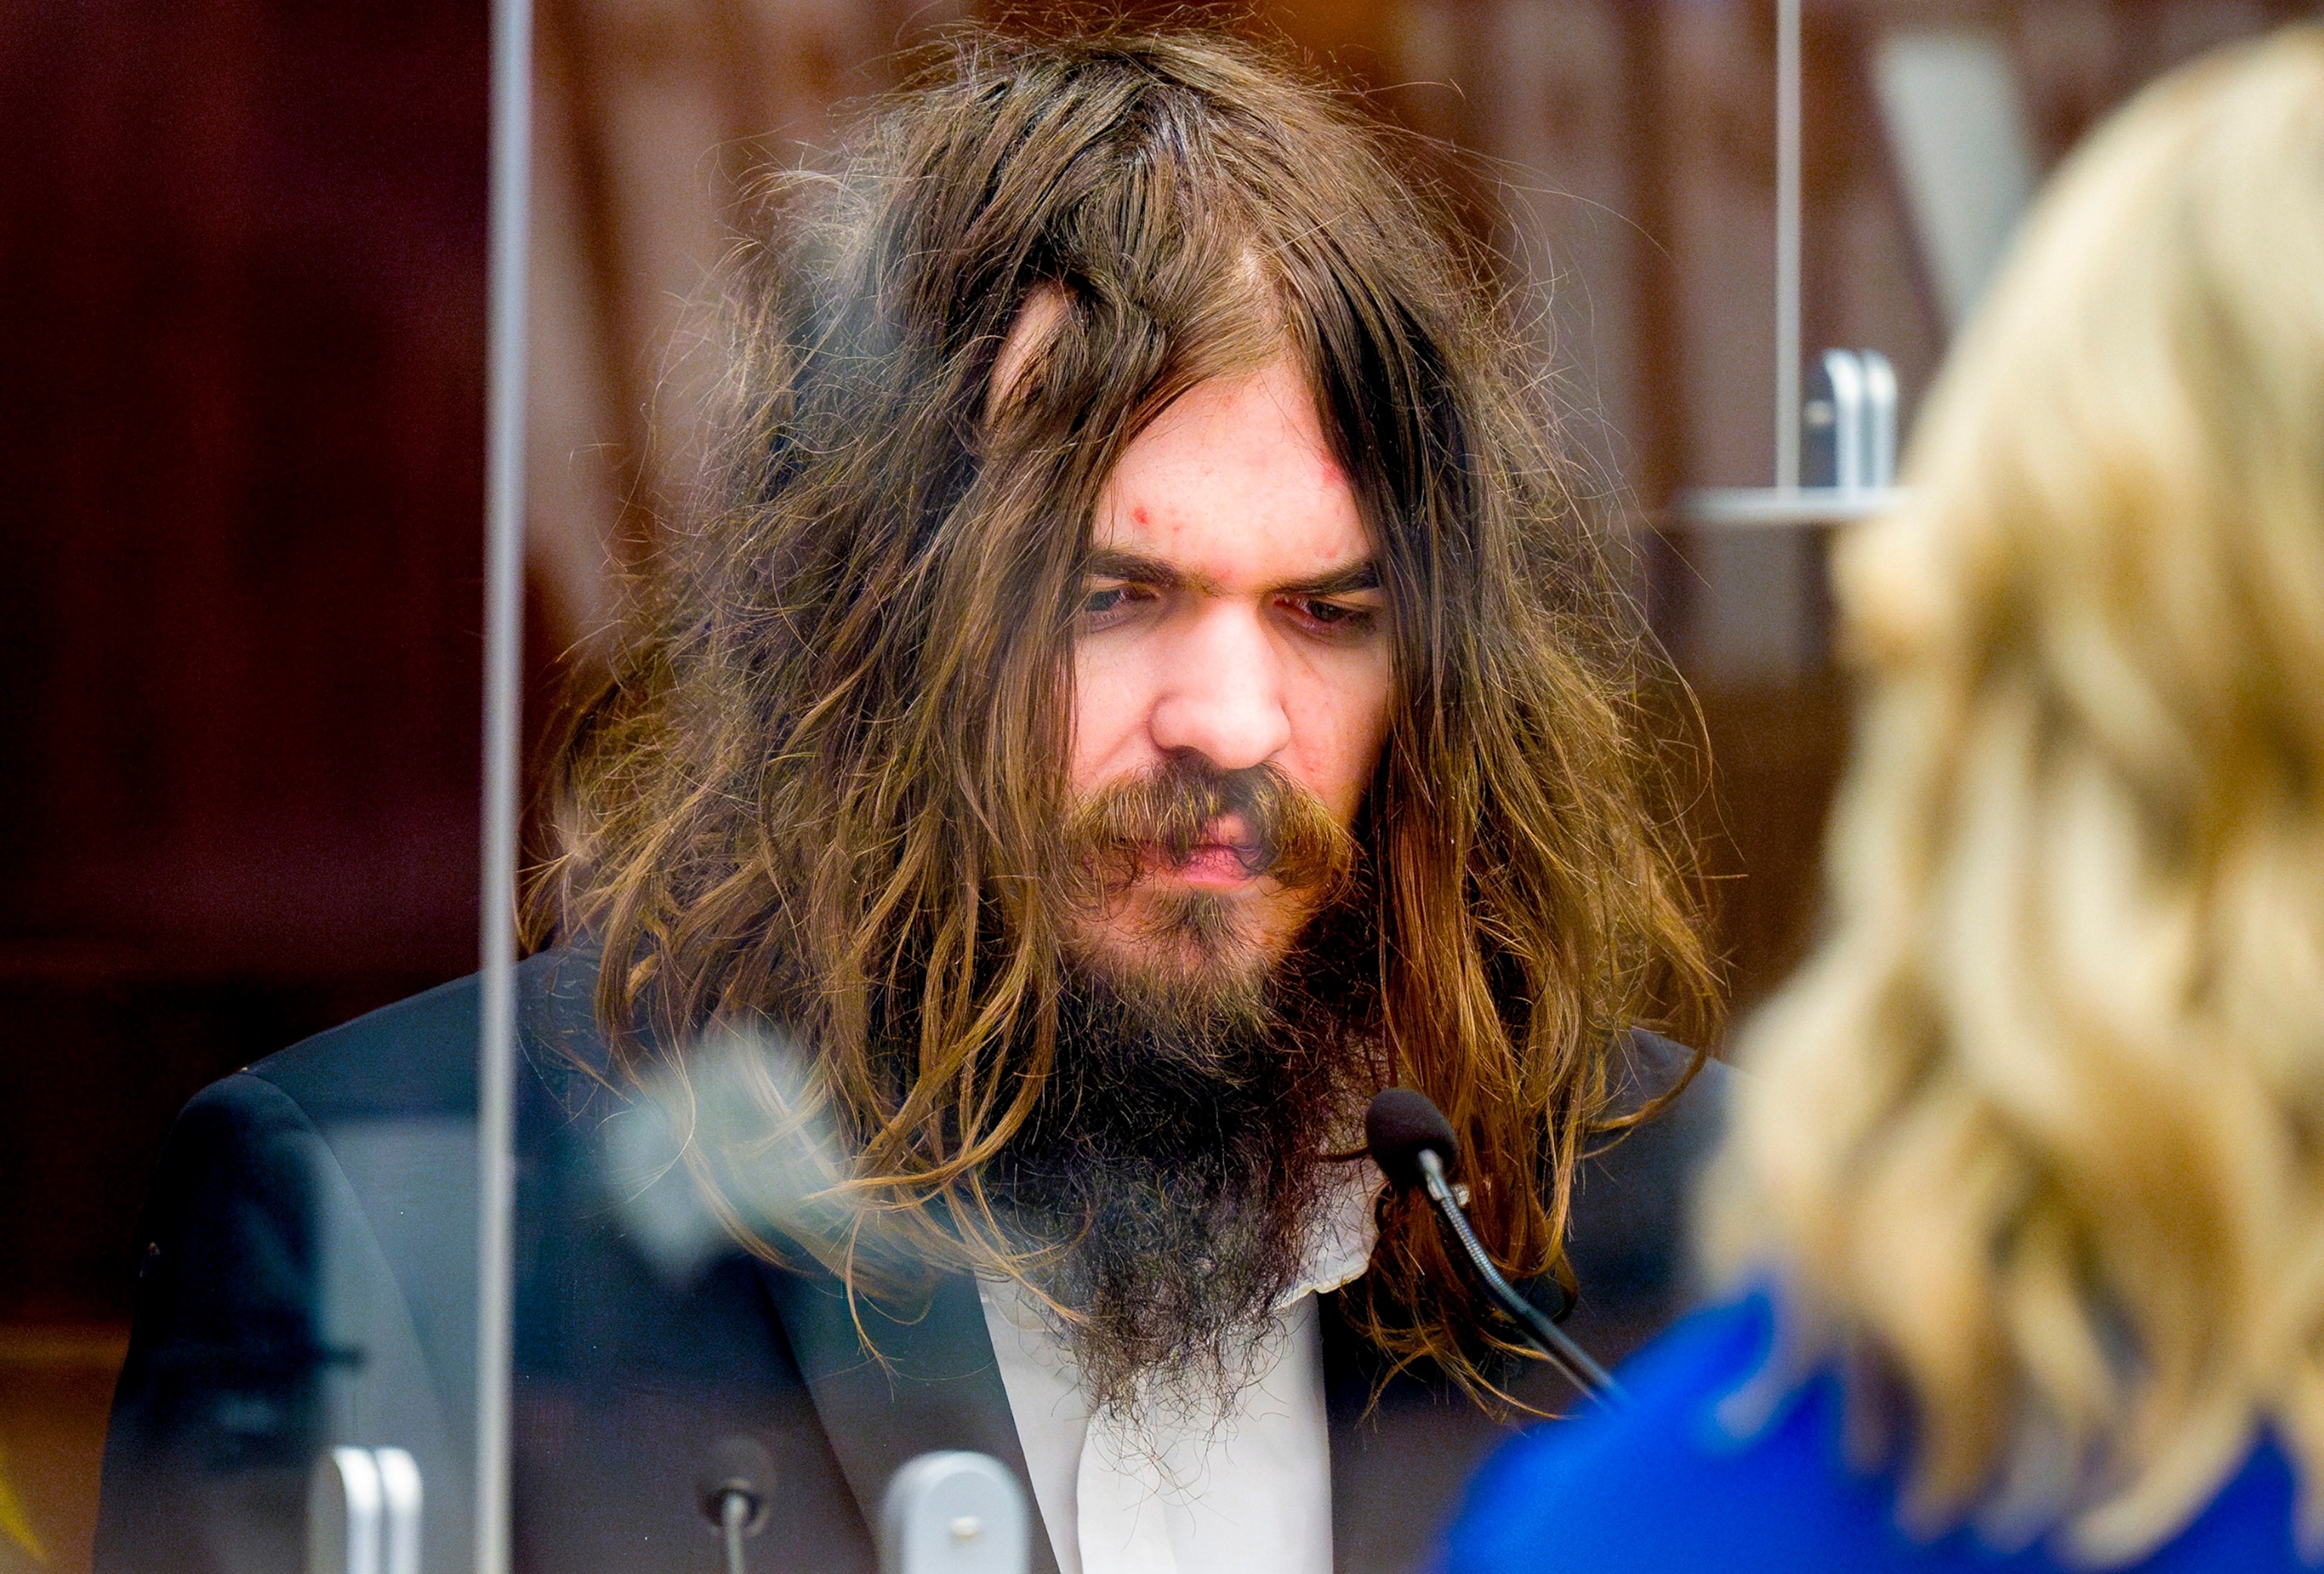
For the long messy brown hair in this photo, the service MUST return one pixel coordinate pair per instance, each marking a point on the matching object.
(821, 789)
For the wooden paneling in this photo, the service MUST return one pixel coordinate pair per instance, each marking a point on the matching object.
(244, 368)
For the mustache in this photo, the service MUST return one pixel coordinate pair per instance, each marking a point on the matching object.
(1288, 834)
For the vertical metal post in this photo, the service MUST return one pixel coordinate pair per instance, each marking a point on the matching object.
(1787, 244)
(511, 170)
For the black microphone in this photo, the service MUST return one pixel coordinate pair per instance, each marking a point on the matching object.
(1411, 1140)
(736, 1481)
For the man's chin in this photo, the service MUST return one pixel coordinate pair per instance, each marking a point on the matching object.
(1177, 984)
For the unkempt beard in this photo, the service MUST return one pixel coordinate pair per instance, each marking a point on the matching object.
(1168, 1176)
(1167, 1180)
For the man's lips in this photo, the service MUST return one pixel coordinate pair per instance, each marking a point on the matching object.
(1222, 860)
(1208, 865)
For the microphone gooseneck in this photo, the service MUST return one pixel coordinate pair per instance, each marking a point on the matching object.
(736, 1484)
(1410, 1140)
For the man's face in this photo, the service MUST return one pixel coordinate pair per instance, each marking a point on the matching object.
(1233, 616)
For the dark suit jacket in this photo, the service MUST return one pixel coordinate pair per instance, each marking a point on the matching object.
(310, 1276)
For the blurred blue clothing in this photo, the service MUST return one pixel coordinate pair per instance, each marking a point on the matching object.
(1665, 1485)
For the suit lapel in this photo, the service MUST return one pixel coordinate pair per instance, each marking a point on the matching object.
(1398, 1467)
(932, 1385)
(1347, 1386)
(1401, 1465)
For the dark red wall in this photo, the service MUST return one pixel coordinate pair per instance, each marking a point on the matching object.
(241, 417)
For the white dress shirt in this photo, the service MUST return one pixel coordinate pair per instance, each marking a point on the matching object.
(1249, 1492)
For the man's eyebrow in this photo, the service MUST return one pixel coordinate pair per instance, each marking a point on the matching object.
(1361, 575)
(1109, 564)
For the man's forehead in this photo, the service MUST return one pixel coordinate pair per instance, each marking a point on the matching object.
(1284, 554)
(1235, 484)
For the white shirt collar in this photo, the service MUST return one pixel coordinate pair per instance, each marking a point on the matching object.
(1251, 1492)
(1343, 1233)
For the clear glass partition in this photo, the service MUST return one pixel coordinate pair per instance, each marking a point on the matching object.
(257, 822)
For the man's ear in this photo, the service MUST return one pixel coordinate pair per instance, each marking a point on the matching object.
(1045, 307)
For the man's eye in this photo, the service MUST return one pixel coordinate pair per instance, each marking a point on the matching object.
(1334, 615)
(1102, 602)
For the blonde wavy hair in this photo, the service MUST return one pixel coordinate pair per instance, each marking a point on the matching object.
(2035, 1141)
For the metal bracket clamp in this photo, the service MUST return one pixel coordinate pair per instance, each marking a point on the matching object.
(362, 1512)
(1851, 419)
(954, 1513)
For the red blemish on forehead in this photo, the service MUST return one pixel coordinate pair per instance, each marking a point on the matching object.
(1138, 513)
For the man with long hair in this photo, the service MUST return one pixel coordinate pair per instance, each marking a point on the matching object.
(1132, 687)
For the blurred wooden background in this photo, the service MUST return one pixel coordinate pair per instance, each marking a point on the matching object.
(244, 260)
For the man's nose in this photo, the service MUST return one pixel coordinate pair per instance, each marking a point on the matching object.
(1221, 695)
